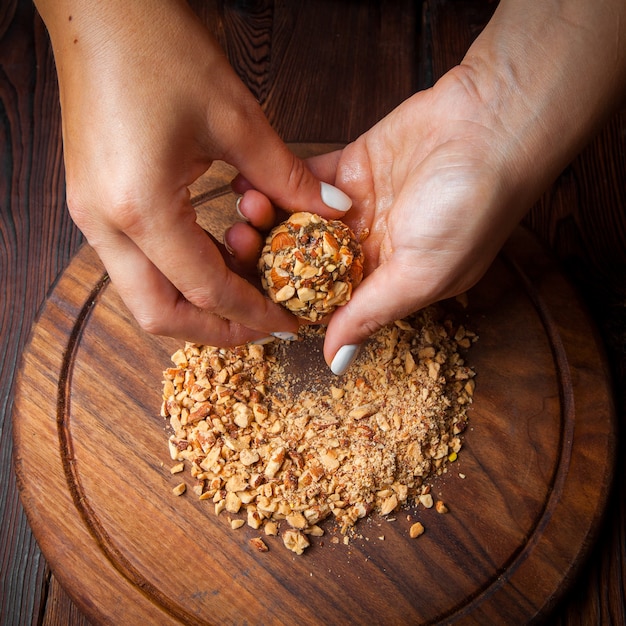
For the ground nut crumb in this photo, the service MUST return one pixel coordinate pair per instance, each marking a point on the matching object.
(283, 455)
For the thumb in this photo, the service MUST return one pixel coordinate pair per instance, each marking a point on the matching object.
(384, 296)
(271, 168)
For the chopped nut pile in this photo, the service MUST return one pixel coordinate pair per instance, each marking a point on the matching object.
(311, 265)
(285, 454)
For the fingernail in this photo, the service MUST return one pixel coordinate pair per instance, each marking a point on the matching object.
(228, 247)
(335, 198)
(344, 358)
(285, 336)
(239, 213)
(263, 340)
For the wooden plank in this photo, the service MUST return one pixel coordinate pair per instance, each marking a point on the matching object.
(322, 70)
(60, 610)
(37, 241)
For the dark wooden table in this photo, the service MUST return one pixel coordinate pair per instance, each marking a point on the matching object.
(379, 53)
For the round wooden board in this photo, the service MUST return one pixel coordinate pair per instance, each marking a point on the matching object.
(92, 463)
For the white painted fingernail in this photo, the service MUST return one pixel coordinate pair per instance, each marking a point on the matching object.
(263, 340)
(239, 213)
(344, 358)
(335, 198)
(285, 336)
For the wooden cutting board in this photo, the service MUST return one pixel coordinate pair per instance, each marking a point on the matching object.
(525, 496)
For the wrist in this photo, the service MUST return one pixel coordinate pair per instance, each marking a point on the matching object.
(547, 76)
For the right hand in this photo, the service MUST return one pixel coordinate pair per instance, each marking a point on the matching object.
(434, 183)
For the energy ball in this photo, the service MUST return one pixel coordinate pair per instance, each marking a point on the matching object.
(310, 265)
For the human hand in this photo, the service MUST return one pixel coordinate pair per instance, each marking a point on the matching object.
(442, 181)
(433, 186)
(148, 102)
(431, 190)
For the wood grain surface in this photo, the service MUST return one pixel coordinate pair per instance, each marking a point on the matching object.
(581, 220)
(92, 464)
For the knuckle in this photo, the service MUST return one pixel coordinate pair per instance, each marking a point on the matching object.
(77, 206)
(297, 174)
(116, 206)
(203, 299)
(152, 324)
(124, 214)
(371, 326)
(291, 193)
(211, 297)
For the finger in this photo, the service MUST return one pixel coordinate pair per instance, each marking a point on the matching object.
(270, 167)
(159, 307)
(379, 299)
(324, 166)
(245, 244)
(187, 257)
(256, 209)
(350, 169)
(240, 184)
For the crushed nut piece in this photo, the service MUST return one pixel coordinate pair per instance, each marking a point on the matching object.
(180, 489)
(295, 541)
(389, 504)
(416, 530)
(297, 520)
(440, 507)
(426, 500)
(259, 544)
